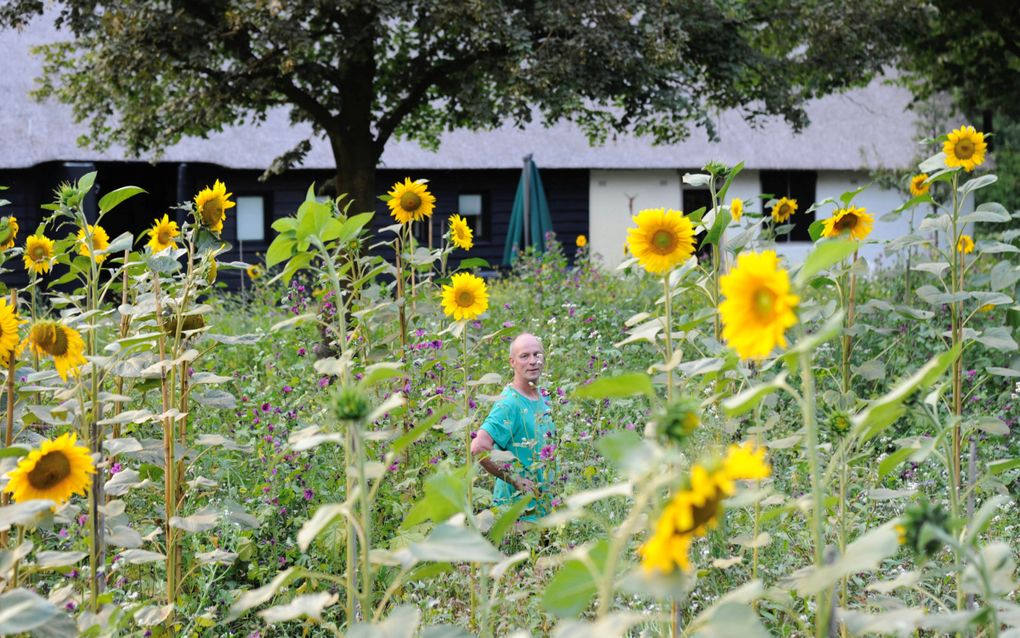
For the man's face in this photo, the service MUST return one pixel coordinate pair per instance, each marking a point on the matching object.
(528, 359)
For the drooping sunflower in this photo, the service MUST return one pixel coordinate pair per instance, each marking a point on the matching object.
(965, 147)
(62, 343)
(9, 322)
(410, 201)
(460, 233)
(212, 204)
(581, 241)
(254, 271)
(162, 234)
(736, 209)
(666, 550)
(853, 220)
(38, 254)
(758, 307)
(919, 185)
(663, 238)
(784, 209)
(466, 298)
(55, 470)
(965, 245)
(100, 241)
(8, 232)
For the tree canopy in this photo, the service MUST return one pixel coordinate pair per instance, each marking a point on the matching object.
(144, 73)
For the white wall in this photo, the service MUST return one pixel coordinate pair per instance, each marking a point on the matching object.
(609, 215)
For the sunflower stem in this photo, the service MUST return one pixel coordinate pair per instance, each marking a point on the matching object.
(169, 483)
(807, 405)
(9, 428)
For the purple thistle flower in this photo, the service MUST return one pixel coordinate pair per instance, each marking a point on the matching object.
(546, 453)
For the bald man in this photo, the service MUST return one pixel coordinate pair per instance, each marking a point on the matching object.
(520, 423)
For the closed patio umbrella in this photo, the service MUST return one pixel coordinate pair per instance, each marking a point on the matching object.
(529, 218)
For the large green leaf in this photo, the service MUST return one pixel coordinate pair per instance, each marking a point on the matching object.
(572, 588)
(825, 254)
(455, 544)
(618, 387)
(110, 200)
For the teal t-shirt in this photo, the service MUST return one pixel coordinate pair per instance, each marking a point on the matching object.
(523, 427)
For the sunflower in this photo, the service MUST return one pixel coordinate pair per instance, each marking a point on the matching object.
(745, 462)
(212, 204)
(581, 241)
(784, 209)
(736, 209)
(162, 234)
(100, 241)
(853, 220)
(663, 238)
(466, 298)
(919, 185)
(254, 271)
(38, 254)
(666, 550)
(55, 470)
(64, 344)
(8, 232)
(758, 307)
(410, 201)
(460, 233)
(965, 147)
(9, 322)
(965, 245)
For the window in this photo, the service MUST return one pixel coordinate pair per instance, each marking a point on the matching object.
(798, 185)
(471, 206)
(251, 218)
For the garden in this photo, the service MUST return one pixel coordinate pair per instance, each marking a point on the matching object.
(743, 446)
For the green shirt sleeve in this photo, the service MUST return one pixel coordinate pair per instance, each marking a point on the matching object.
(499, 425)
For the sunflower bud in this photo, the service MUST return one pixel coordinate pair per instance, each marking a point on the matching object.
(916, 528)
(191, 322)
(210, 276)
(350, 404)
(839, 422)
(8, 232)
(68, 196)
(678, 420)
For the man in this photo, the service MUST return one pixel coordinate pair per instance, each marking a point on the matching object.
(519, 423)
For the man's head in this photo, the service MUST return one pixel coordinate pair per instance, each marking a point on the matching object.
(527, 358)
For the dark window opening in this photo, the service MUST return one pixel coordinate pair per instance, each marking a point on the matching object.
(798, 185)
(694, 199)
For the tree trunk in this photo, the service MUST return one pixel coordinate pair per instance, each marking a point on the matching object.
(355, 171)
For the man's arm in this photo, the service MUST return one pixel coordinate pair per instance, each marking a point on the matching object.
(483, 444)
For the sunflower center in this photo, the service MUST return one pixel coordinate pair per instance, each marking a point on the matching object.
(964, 149)
(703, 514)
(784, 211)
(410, 202)
(663, 241)
(49, 471)
(465, 298)
(164, 236)
(38, 253)
(847, 222)
(764, 303)
(51, 338)
(211, 210)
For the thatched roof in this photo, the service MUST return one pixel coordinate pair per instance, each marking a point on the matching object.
(863, 129)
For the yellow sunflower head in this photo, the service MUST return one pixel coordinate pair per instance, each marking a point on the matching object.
(254, 271)
(460, 233)
(63, 344)
(736, 209)
(466, 298)
(965, 244)
(8, 232)
(410, 201)
(744, 462)
(54, 471)
(965, 147)
(853, 221)
(919, 185)
(38, 255)
(758, 307)
(784, 209)
(581, 241)
(9, 322)
(663, 238)
(212, 205)
(100, 241)
(162, 234)
(666, 550)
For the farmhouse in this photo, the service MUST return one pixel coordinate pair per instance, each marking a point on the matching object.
(590, 190)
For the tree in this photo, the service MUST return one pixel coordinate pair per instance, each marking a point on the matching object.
(144, 73)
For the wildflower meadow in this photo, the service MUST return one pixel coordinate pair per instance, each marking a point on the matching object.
(731, 443)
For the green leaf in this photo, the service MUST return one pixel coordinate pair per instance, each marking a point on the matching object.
(732, 620)
(409, 437)
(572, 588)
(618, 387)
(507, 519)
(353, 226)
(285, 224)
(883, 411)
(86, 181)
(848, 196)
(825, 254)
(749, 398)
(22, 610)
(892, 461)
(733, 172)
(13, 452)
(864, 554)
(722, 220)
(445, 495)
(473, 262)
(455, 544)
(280, 250)
(983, 517)
(974, 184)
(815, 229)
(1003, 465)
(110, 200)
